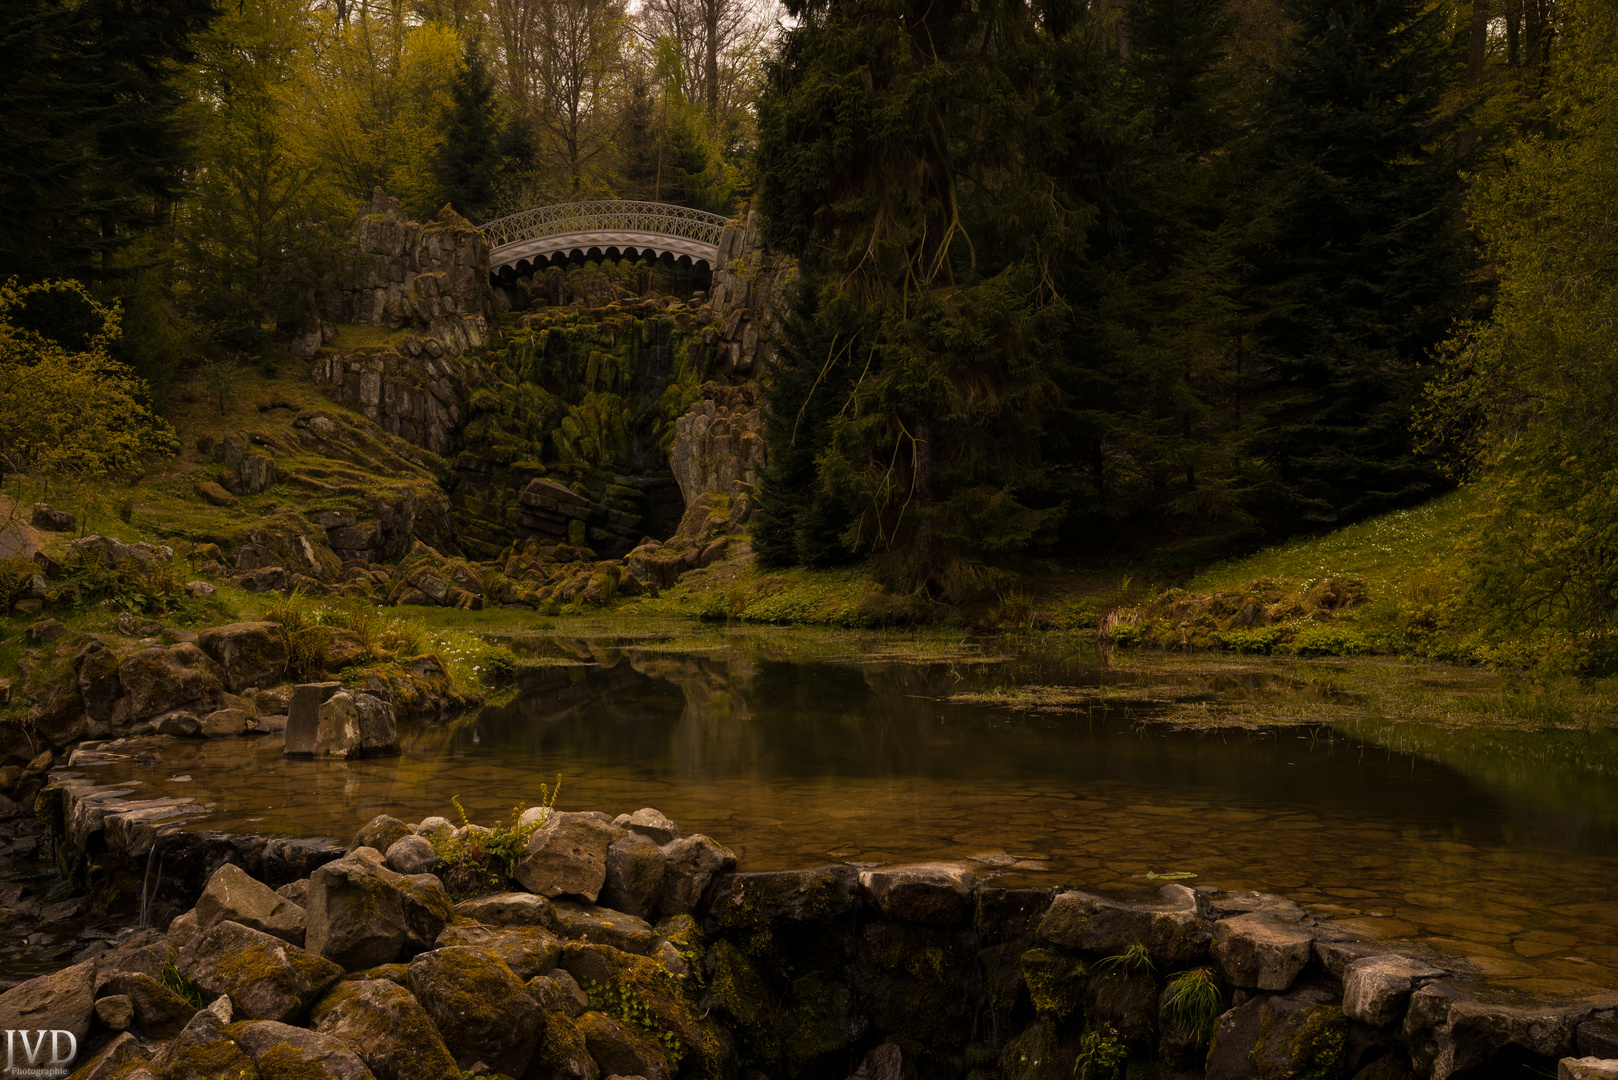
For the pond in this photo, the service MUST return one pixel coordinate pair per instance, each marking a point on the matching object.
(1048, 766)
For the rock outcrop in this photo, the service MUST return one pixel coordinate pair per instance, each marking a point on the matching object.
(432, 275)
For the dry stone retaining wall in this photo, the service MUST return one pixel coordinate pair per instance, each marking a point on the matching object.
(634, 947)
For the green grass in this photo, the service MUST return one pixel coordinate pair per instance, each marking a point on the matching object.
(1388, 551)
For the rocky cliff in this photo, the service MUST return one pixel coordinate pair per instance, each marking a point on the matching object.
(432, 276)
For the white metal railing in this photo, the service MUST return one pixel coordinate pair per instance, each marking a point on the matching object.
(625, 215)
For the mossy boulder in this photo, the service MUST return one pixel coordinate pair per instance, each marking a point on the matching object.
(283, 1052)
(527, 950)
(265, 978)
(1055, 981)
(1035, 1054)
(248, 653)
(479, 1006)
(158, 680)
(384, 1024)
(621, 1049)
(641, 985)
(205, 1051)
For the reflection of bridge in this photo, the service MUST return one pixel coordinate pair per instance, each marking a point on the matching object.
(613, 229)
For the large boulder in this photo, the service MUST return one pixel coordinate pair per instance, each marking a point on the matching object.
(582, 922)
(379, 728)
(303, 716)
(568, 855)
(635, 869)
(158, 680)
(205, 1050)
(1170, 929)
(816, 895)
(280, 1050)
(60, 1001)
(385, 1025)
(264, 977)
(96, 668)
(1261, 952)
(693, 862)
(479, 1006)
(934, 894)
(1455, 1027)
(248, 653)
(526, 950)
(231, 893)
(1376, 989)
(362, 914)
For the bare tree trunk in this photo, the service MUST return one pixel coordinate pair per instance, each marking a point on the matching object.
(710, 16)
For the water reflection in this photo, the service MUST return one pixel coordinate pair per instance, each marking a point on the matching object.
(799, 762)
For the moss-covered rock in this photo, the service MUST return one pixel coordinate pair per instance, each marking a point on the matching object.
(1055, 981)
(205, 1051)
(387, 1028)
(266, 978)
(1303, 1044)
(479, 1006)
(1035, 1054)
(527, 950)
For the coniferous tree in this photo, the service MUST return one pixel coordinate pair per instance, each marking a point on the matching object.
(1364, 269)
(479, 153)
(91, 154)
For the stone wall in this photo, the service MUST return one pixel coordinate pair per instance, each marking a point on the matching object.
(432, 276)
(840, 972)
(414, 392)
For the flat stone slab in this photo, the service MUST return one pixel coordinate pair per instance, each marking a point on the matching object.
(1170, 929)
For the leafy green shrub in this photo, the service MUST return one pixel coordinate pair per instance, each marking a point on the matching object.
(482, 862)
(1127, 634)
(1101, 1055)
(1252, 640)
(497, 665)
(1329, 640)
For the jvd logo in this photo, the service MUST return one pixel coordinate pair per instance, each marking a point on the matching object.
(60, 1064)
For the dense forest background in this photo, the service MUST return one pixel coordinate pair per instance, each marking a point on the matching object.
(1161, 275)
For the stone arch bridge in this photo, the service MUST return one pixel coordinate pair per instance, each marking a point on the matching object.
(520, 244)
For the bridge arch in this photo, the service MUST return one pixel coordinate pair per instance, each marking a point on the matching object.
(524, 242)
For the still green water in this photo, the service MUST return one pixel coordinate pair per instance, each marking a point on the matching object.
(1496, 846)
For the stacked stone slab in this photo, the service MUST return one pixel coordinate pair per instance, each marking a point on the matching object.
(549, 510)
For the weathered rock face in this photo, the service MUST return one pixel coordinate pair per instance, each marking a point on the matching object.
(113, 552)
(1376, 989)
(231, 894)
(352, 725)
(433, 276)
(1261, 951)
(635, 869)
(719, 448)
(1295, 1035)
(527, 950)
(387, 1028)
(158, 680)
(284, 1050)
(248, 654)
(479, 1007)
(621, 1050)
(749, 285)
(361, 914)
(265, 978)
(414, 391)
(549, 509)
(62, 1000)
(1454, 1027)
(159, 1012)
(568, 854)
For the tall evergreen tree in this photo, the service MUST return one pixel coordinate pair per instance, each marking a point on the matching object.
(479, 152)
(933, 163)
(1364, 270)
(91, 154)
